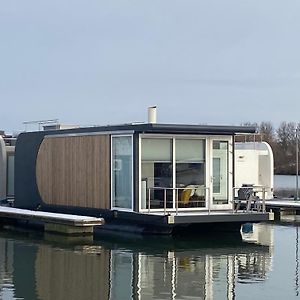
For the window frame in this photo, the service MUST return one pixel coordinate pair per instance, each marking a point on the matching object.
(173, 138)
(112, 200)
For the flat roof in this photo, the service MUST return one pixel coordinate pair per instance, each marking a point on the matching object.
(197, 129)
(160, 128)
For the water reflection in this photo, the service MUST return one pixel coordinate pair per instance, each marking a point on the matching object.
(36, 267)
(297, 262)
(256, 267)
(6, 269)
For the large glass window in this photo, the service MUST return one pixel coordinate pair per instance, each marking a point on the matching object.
(190, 172)
(174, 172)
(220, 172)
(156, 173)
(122, 171)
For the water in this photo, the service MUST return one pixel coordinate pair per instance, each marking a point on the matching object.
(285, 181)
(285, 185)
(262, 265)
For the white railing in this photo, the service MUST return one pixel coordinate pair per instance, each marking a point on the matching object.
(251, 199)
(177, 193)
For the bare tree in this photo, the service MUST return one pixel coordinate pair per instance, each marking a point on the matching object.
(267, 132)
(285, 151)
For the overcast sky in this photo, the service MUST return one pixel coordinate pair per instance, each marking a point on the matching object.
(104, 62)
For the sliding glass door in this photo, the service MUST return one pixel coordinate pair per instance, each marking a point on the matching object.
(221, 168)
(185, 172)
(190, 172)
(172, 173)
(156, 173)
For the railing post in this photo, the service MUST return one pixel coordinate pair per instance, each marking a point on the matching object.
(165, 200)
(149, 194)
(264, 198)
(208, 198)
(176, 202)
(233, 194)
(177, 197)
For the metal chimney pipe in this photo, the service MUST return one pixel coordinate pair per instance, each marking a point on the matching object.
(152, 114)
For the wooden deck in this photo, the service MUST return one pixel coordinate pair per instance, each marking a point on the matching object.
(225, 216)
(55, 222)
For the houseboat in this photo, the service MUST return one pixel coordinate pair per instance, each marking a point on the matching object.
(258, 161)
(7, 151)
(147, 177)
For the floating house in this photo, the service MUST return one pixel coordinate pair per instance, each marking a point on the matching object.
(257, 158)
(7, 150)
(144, 177)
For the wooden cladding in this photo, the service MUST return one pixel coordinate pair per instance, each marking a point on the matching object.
(75, 171)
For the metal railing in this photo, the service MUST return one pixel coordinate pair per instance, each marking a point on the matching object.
(175, 193)
(40, 123)
(252, 200)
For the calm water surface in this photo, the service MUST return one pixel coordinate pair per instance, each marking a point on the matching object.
(285, 182)
(285, 186)
(262, 263)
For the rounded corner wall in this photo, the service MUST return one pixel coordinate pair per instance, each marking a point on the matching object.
(26, 149)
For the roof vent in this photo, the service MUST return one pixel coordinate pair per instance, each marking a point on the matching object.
(152, 114)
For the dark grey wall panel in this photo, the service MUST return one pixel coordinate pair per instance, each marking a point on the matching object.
(26, 192)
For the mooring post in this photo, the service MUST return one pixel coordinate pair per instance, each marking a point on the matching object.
(277, 214)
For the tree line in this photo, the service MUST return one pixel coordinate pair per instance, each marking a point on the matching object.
(283, 141)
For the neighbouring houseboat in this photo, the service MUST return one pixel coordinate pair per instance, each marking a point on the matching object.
(7, 150)
(148, 177)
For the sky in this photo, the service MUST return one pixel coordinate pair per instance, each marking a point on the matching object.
(104, 62)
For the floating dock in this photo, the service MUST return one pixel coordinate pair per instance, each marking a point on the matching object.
(283, 203)
(54, 222)
(281, 207)
(277, 206)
